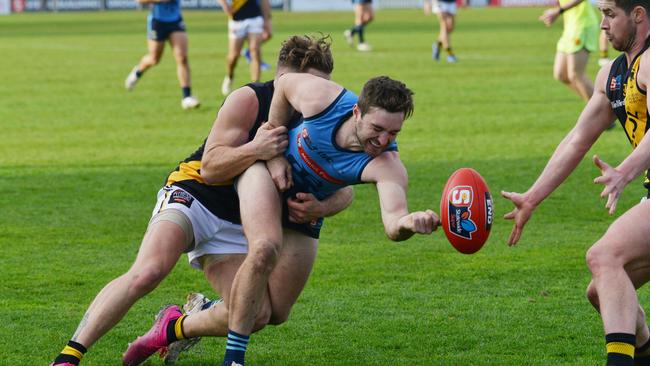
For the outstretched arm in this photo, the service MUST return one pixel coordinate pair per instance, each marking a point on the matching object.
(593, 120)
(616, 179)
(227, 150)
(390, 176)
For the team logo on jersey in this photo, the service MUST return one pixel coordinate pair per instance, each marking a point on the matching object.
(460, 199)
(181, 197)
(309, 161)
(615, 84)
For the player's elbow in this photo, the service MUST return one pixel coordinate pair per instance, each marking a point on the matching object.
(213, 175)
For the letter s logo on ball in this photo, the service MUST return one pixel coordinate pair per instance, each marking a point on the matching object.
(461, 196)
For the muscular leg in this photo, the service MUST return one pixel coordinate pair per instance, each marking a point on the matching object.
(161, 247)
(577, 74)
(254, 43)
(261, 218)
(286, 282)
(234, 49)
(367, 14)
(560, 68)
(623, 249)
(290, 275)
(443, 37)
(153, 57)
(214, 321)
(179, 44)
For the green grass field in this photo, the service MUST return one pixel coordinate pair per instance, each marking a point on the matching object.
(81, 161)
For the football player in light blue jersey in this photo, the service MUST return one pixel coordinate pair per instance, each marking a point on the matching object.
(165, 22)
(342, 141)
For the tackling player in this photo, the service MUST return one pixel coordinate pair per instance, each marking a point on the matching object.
(197, 215)
(620, 260)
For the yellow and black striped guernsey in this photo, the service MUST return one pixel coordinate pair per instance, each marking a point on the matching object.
(628, 100)
(220, 199)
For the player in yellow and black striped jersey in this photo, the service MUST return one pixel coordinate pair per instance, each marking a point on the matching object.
(620, 260)
(249, 20)
(628, 100)
(181, 222)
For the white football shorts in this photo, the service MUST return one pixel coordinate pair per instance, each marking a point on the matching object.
(238, 29)
(444, 7)
(212, 235)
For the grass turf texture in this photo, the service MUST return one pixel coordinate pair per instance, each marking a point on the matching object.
(81, 160)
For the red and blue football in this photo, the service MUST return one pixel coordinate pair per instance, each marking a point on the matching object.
(466, 210)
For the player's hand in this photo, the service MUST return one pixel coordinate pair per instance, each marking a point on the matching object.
(521, 214)
(305, 207)
(270, 141)
(549, 16)
(280, 171)
(267, 30)
(614, 182)
(421, 222)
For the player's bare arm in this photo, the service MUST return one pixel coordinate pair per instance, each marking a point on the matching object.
(616, 179)
(296, 92)
(593, 120)
(305, 207)
(391, 179)
(226, 7)
(305, 93)
(266, 14)
(227, 150)
(550, 15)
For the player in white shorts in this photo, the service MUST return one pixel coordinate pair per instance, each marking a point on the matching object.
(446, 12)
(249, 20)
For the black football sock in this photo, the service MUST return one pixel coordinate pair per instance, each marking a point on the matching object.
(175, 330)
(620, 349)
(642, 355)
(72, 353)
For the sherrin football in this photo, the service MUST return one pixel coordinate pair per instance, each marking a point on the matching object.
(466, 210)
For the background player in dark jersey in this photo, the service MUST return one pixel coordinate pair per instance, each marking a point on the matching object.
(620, 260)
(175, 227)
(248, 21)
(165, 23)
(363, 15)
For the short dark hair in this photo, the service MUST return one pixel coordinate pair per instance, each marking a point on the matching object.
(386, 93)
(301, 53)
(629, 5)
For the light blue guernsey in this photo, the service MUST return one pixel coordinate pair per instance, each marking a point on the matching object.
(169, 11)
(319, 166)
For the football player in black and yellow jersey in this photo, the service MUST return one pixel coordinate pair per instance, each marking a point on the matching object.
(620, 260)
(248, 20)
(197, 212)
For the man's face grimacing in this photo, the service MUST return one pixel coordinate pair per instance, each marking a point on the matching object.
(618, 26)
(377, 129)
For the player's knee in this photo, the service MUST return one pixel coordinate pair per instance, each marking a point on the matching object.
(181, 59)
(574, 77)
(561, 77)
(600, 258)
(143, 281)
(264, 255)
